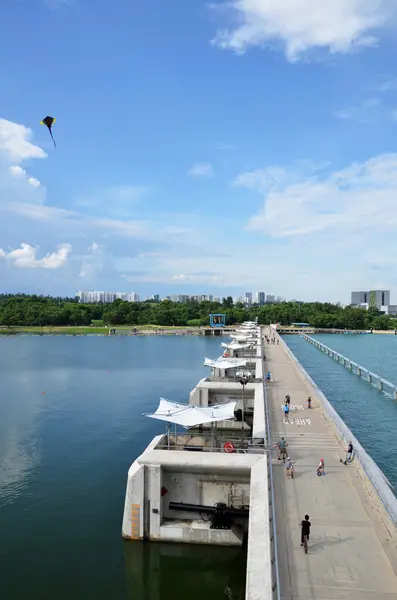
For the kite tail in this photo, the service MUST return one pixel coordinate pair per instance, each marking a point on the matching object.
(49, 129)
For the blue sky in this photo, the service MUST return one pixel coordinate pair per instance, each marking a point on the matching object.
(201, 148)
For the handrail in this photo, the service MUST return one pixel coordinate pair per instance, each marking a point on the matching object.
(268, 444)
(351, 365)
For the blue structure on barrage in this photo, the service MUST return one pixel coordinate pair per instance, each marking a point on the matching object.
(217, 320)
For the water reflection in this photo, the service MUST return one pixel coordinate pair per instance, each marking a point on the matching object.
(160, 571)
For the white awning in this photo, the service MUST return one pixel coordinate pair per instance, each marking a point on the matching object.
(225, 363)
(235, 346)
(188, 415)
(243, 338)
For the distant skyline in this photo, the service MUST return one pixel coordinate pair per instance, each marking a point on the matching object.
(237, 146)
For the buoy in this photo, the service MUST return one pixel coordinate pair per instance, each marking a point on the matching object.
(228, 447)
(42, 392)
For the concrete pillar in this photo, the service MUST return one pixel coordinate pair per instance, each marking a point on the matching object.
(359, 371)
(369, 378)
(380, 385)
(395, 394)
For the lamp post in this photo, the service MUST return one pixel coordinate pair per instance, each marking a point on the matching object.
(244, 377)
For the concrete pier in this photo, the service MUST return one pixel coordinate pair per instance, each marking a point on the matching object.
(372, 378)
(353, 544)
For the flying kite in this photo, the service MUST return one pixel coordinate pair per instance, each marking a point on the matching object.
(49, 122)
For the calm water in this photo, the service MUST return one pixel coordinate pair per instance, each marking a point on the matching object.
(370, 414)
(70, 426)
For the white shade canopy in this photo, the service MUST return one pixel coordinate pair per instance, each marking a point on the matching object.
(225, 363)
(235, 346)
(242, 338)
(188, 415)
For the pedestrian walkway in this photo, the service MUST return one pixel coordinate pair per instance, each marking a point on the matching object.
(351, 555)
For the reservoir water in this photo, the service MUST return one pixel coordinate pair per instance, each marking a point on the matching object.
(71, 424)
(370, 414)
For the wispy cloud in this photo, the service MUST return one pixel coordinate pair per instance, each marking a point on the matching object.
(389, 85)
(358, 200)
(201, 170)
(298, 26)
(362, 111)
(54, 4)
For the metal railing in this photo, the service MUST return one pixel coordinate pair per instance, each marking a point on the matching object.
(272, 504)
(372, 378)
(207, 443)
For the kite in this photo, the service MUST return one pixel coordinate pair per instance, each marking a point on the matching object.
(49, 122)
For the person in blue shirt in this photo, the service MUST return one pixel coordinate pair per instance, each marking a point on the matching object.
(286, 410)
(268, 376)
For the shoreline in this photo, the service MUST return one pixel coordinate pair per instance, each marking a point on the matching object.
(99, 331)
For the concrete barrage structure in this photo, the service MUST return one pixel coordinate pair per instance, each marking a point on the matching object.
(223, 484)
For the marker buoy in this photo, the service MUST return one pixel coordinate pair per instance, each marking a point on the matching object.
(228, 447)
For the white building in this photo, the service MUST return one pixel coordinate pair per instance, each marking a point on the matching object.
(248, 298)
(102, 297)
(379, 299)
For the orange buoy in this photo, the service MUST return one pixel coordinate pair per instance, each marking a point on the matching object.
(228, 447)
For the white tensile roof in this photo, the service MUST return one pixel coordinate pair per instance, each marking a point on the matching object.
(235, 346)
(225, 363)
(188, 415)
(242, 338)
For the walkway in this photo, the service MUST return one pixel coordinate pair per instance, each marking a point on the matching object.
(350, 556)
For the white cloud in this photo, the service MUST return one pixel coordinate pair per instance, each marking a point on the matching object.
(19, 172)
(360, 198)
(201, 170)
(338, 26)
(92, 263)
(360, 111)
(15, 142)
(25, 257)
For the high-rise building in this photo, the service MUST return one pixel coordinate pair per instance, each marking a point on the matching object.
(270, 298)
(156, 297)
(260, 298)
(101, 297)
(248, 298)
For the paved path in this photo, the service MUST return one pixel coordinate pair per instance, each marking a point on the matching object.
(350, 556)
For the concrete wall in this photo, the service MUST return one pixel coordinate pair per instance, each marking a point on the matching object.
(372, 477)
(259, 423)
(133, 517)
(259, 558)
(199, 395)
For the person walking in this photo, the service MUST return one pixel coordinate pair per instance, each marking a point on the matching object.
(349, 453)
(286, 410)
(305, 529)
(288, 399)
(282, 446)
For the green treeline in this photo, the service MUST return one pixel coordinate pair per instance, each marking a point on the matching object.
(23, 310)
